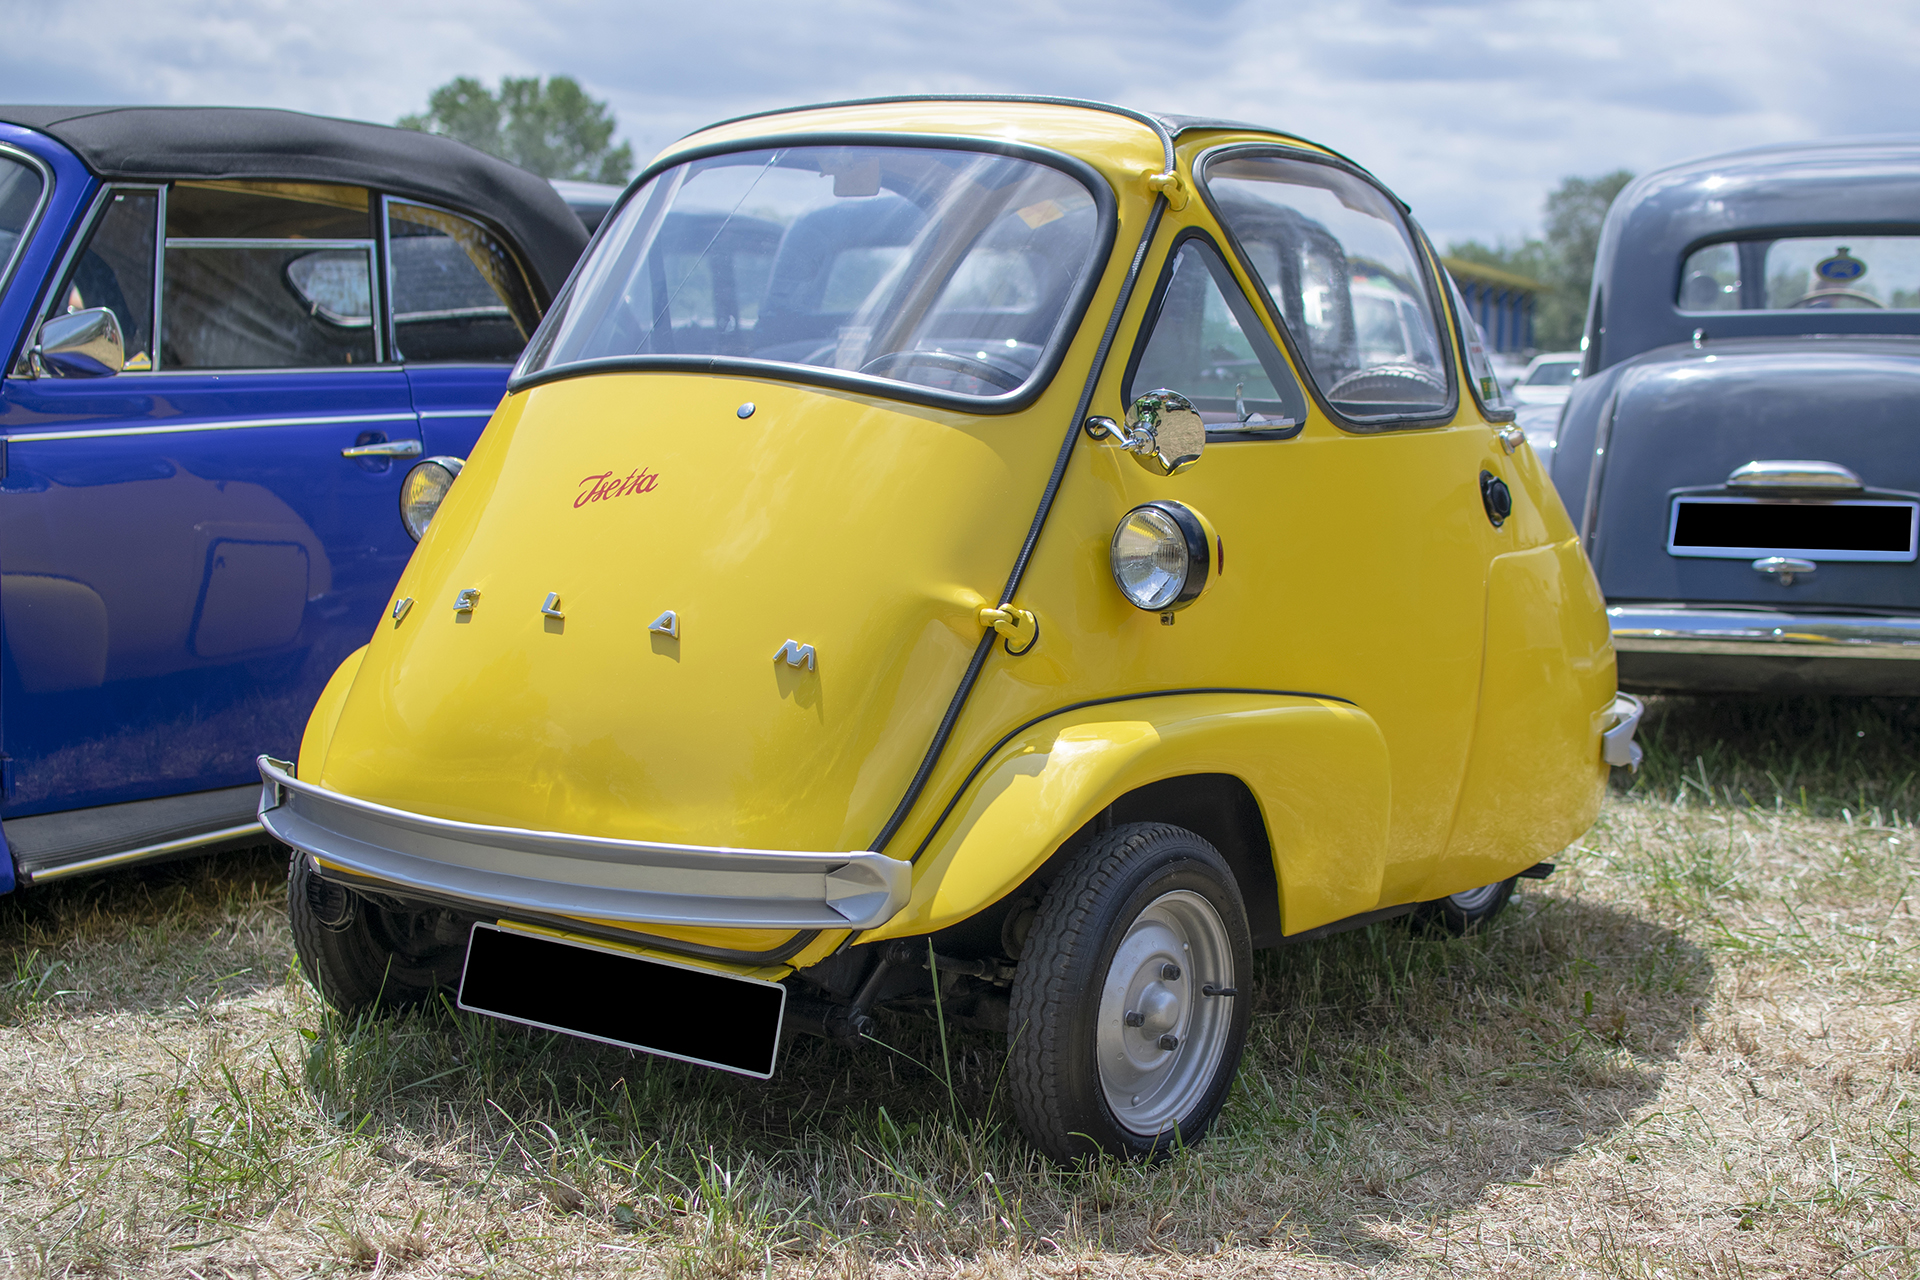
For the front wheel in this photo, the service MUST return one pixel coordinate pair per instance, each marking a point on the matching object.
(1465, 912)
(1129, 1008)
(364, 954)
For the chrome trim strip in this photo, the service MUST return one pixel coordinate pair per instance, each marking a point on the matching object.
(1677, 628)
(457, 413)
(144, 852)
(556, 873)
(233, 424)
(262, 242)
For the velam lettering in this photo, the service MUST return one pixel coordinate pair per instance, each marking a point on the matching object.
(604, 485)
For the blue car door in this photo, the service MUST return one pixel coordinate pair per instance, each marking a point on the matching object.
(462, 311)
(190, 546)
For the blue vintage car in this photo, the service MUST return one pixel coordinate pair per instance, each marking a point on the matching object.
(1742, 448)
(235, 342)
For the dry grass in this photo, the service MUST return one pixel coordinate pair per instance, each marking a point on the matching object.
(1693, 1052)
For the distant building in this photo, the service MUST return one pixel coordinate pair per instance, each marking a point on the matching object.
(1500, 300)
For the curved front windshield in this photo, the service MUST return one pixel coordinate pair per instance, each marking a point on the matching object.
(943, 269)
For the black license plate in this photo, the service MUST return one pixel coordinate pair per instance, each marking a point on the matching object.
(695, 1015)
(1743, 528)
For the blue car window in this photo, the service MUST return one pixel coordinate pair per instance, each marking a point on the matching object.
(19, 197)
(1207, 343)
(458, 291)
(261, 275)
(115, 271)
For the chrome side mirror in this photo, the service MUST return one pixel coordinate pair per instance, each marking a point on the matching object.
(1164, 432)
(80, 344)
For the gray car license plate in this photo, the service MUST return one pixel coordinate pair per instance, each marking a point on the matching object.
(1748, 528)
(636, 1002)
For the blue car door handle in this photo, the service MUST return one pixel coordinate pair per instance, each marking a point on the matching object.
(384, 449)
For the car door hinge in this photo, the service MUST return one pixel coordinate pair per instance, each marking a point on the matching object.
(1020, 628)
(1170, 185)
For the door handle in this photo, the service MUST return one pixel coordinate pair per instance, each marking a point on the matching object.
(384, 449)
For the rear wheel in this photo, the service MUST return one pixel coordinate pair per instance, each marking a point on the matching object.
(1127, 1019)
(1467, 911)
(364, 954)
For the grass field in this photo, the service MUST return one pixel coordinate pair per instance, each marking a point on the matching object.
(1693, 1052)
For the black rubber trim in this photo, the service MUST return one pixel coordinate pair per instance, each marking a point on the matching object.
(1357, 426)
(1106, 205)
(982, 649)
(1349, 924)
(484, 911)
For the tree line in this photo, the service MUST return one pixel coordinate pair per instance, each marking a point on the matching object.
(1561, 260)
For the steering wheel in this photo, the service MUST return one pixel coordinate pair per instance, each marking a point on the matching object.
(1391, 383)
(1866, 300)
(985, 370)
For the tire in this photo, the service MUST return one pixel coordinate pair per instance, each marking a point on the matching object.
(363, 955)
(1085, 1077)
(1460, 914)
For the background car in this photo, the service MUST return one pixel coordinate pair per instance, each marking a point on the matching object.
(228, 335)
(1739, 448)
(589, 201)
(1548, 378)
(1022, 555)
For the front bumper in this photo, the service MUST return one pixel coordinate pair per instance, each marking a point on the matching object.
(1727, 648)
(551, 873)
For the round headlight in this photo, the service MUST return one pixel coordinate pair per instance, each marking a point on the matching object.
(1161, 556)
(424, 489)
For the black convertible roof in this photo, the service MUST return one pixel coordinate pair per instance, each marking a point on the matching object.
(158, 143)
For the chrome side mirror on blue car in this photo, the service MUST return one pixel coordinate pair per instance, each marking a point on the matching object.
(80, 344)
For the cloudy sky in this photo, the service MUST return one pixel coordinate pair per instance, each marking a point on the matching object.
(1471, 109)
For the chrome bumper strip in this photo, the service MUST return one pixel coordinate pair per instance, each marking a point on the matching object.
(1617, 746)
(1675, 628)
(553, 873)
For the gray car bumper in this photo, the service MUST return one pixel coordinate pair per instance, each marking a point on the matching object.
(552, 873)
(1683, 647)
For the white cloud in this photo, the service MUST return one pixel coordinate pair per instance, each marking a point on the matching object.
(1471, 111)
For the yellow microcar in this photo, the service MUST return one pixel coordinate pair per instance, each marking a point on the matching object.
(1029, 546)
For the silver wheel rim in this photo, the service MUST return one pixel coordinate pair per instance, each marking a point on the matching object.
(1471, 900)
(1150, 1087)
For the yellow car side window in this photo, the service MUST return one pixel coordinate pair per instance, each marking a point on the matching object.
(1204, 340)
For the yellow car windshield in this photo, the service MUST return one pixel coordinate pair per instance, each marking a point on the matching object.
(951, 270)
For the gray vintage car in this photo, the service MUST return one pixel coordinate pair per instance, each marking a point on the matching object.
(1742, 448)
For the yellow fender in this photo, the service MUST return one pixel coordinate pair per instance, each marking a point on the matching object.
(1317, 768)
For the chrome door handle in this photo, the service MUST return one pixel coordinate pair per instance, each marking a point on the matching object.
(1511, 438)
(384, 449)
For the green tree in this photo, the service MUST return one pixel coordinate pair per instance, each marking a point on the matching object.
(1563, 261)
(552, 129)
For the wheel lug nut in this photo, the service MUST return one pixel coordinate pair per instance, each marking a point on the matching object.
(1170, 972)
(1134, 1018)
(1169, 1041)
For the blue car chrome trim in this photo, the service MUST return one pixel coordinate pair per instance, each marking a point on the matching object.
(1677, 628)
(230, 424)
(557, 873)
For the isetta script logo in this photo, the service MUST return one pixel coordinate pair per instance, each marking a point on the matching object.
(604, 486)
